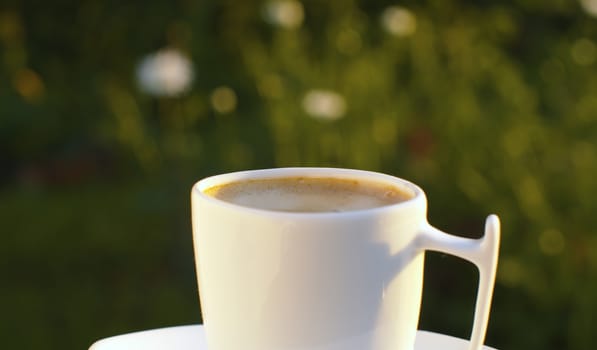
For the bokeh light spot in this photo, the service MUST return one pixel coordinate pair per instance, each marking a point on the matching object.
(28, 84)
(10, 27)
(583, 52)
(399, 21)
(288, 14)
(511, 271)
(590, 7)
(223, 100)
(270, 86)
(384, 131)
(551, 242)
(165, 73)
(349, 41)
(324, 104)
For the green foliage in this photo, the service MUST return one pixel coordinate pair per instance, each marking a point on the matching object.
(488, 106)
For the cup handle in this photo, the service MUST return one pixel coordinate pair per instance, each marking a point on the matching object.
(482, 252)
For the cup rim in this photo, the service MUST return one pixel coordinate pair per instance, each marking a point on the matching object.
(418, 195)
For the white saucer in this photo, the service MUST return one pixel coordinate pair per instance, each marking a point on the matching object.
(193, 338)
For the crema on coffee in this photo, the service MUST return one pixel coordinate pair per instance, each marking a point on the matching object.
(310, 194)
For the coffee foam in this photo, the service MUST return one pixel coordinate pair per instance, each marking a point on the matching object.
(309, 194)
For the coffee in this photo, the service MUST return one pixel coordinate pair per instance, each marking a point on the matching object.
(310, 194)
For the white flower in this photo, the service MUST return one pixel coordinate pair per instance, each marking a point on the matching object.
(590, 7)
(399, 21)
(324, 104)
(165, 73)
(287, 14)
(223, 100)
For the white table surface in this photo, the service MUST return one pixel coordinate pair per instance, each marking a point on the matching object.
(192, 337)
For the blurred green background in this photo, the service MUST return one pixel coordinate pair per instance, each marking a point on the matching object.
(110, 111)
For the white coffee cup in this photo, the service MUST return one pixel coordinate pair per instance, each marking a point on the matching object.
(271, 280)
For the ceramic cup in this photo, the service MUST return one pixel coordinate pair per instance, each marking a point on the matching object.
(271, 280)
